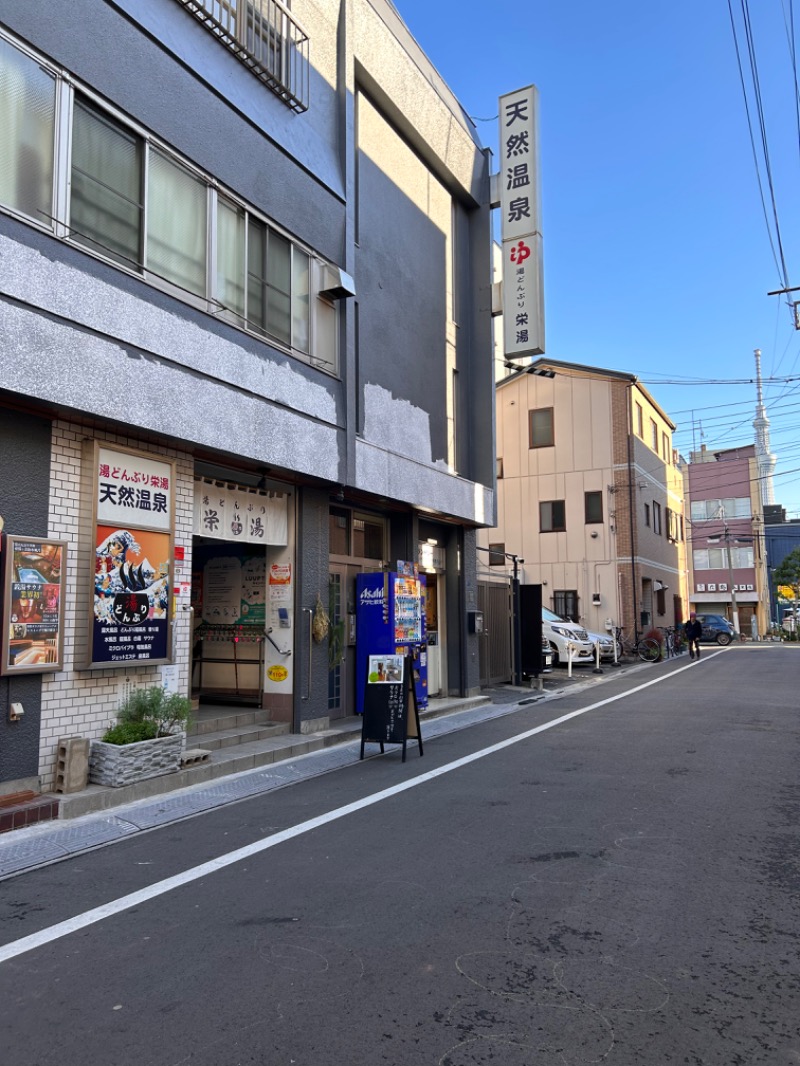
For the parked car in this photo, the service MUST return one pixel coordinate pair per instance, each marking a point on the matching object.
(716, 629)
(606, 642)
(560, 633)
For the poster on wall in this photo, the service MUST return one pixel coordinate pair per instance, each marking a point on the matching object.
(234, 589)
(132, 567)
(131, 595)
(33, 605)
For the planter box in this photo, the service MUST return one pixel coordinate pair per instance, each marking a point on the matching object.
(124, 764)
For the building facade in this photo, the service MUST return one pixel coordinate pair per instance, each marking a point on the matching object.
(245, 290)
(728, 559)
(590, 496)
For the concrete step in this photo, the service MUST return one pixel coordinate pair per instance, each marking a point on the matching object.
(228, 738)
(212, 720)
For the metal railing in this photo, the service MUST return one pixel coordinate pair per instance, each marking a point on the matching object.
(264, 36)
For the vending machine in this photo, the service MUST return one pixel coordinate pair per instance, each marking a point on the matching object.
(390, 620)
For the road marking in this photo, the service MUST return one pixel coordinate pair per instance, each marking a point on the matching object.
(169, 884)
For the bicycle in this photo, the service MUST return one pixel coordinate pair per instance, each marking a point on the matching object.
(648, 649)
(673, 642)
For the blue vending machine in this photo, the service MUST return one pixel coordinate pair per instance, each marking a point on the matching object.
(390, 620)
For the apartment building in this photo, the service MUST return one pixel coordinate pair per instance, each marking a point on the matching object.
(590, 496)
(246, 354)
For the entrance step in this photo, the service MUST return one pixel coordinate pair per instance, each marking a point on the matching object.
(236, 735)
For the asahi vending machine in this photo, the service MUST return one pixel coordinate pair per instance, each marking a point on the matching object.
(390, 620)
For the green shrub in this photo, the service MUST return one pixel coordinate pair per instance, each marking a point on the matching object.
(130, 733)
(154, 711)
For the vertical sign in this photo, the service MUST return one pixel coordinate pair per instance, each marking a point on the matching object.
(134, 499)
(33, 615)
(520, 203)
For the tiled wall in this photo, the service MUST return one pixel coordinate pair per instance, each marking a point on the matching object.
(75, 701)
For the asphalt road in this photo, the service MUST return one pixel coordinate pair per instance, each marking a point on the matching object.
(620, 887)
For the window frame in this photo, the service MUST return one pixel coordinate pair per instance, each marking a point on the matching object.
(597, 496)
(553, 527)
(552, 434)
(562, 600)
(497, 554)
(68, 93)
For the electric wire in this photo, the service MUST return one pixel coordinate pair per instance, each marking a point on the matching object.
(782, 274)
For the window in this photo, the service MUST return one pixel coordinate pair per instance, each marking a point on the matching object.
(639, 421)
(541, 433)
(733, 507)
(661, 601)
(665, 448)
(27, 134)
(230, 258)
(368, 537)
(552, 516)
(647, 514)
(717, 558)
(593, 505)
(118, 193)
(672, 524)
(177, 211)
(497, 554)
(339, 531)
(654, 436)
(656, 517)
(566, 605)
(106, 208)
(499, 468)
(360, 536)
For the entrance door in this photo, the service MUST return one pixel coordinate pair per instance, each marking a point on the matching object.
(342, 640)
(433, 627)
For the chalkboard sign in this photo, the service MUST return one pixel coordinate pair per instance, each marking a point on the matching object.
(391, 714)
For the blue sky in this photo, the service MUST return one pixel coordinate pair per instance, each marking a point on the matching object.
(657, 254)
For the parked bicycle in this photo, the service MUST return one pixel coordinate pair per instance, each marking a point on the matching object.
(673, 642)
(648, 649)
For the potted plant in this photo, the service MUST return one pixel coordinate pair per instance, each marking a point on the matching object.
(147, 740)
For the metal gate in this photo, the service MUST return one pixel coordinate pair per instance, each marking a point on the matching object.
(494, 600)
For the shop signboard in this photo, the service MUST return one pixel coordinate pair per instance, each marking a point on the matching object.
(240, 515)
(33, 605)
(521, 226)
(132, 573)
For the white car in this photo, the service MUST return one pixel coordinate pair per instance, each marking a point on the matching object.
(606, 642)
(562, 633)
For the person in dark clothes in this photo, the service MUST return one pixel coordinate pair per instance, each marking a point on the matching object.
(693, 630)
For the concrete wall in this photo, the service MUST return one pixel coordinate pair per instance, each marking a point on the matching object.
(418, 432)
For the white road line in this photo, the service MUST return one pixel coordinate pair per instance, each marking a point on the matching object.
(160, 888)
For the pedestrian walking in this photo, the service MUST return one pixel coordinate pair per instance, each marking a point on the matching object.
(693, 630)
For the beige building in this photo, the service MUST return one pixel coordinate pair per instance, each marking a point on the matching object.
(590, 497)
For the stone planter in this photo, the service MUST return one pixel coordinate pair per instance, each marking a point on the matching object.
(124, 764)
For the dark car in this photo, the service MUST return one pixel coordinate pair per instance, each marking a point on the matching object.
(716, 629)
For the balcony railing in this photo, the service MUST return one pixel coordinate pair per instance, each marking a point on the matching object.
(266, 38)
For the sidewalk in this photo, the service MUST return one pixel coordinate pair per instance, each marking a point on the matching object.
(87, 820)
